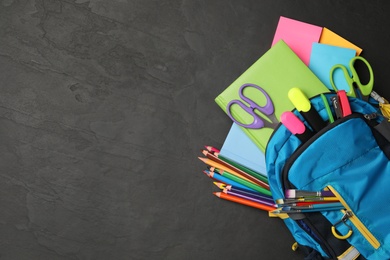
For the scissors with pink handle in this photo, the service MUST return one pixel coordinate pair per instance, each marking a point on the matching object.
(249, 106)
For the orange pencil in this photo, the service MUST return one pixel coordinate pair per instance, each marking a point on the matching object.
(243, 201)
(232, 169)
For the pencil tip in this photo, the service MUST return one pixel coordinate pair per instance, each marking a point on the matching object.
(219, 184)
(218, 194)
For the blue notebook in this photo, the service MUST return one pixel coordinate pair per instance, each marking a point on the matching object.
(323, 57)
(239, 148)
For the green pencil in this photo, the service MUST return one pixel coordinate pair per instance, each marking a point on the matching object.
(244, 182)
(245, 169)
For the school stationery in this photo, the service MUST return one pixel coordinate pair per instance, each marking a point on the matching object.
(239, 148)
(236, 171)
(238, 189)
(362, 90)
(211, 149)
(219, 178)
(305, 199)
(249, 106)
(344, 103)
(294, 193)
(303, 105)
(222, 168)
(250, 197)
(296, 126)
(323, 57)
(243, 181)
(244, 169)
(331, 38)
(327, 108)
(274, 74)
(336, 106)
(298, 35)
(312, 208)
(243, 201)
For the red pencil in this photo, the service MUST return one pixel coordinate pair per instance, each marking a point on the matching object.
(212, 149)
(243, 201)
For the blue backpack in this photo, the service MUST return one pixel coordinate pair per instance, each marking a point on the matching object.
(350, 157)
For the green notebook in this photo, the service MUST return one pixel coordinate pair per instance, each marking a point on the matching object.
(276, 72)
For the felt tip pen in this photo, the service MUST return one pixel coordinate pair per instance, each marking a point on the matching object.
(295, 126)
(303, 105)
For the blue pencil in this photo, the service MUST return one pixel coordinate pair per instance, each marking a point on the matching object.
(227, 181)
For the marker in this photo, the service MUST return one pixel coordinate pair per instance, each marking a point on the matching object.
(303, 105)
(344, 103)
(336, 107)
(295, 126)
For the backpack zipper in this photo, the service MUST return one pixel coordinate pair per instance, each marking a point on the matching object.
(350, 215)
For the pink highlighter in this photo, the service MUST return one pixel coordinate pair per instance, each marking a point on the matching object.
(296, 126)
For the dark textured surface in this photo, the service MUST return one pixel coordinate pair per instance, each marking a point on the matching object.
(104, 106)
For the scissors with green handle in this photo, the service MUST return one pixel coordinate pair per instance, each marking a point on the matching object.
(354, 82)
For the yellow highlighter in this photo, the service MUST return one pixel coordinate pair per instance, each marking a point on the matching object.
(303, 105)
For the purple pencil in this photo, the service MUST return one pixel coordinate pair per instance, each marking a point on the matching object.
(248, 192)
(249, 197)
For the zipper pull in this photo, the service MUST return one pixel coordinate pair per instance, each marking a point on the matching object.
(343, 220)
(370, 116)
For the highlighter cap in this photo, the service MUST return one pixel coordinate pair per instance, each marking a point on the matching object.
(299, 99)
(292, 123)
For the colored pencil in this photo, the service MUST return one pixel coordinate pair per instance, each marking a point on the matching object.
(225, 180)
(214, 164)
(260, 195)
(244, 182)
(211, 149)
(250, 197)
(232, 168)
(255, 174)
(243, 201)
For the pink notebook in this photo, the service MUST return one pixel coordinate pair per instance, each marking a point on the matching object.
(299, 36)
